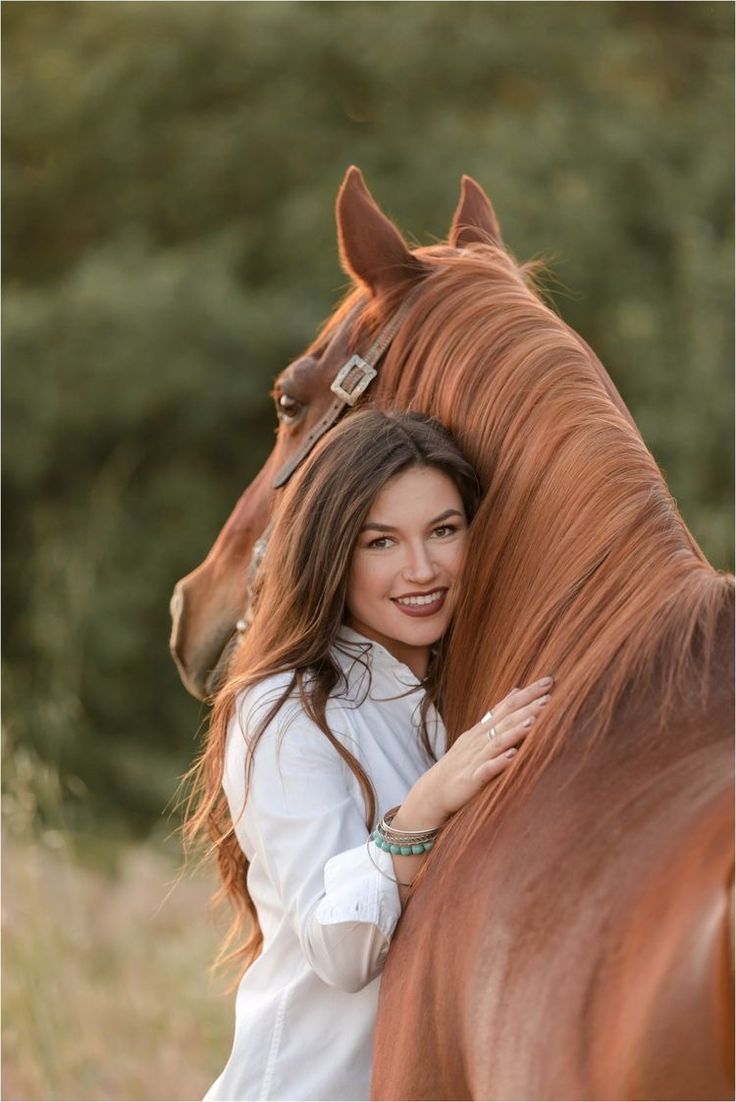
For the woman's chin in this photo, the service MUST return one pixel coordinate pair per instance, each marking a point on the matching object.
(420, 633)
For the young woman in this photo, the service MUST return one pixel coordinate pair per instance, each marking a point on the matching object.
(329, 722)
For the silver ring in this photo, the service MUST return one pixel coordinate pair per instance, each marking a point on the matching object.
(487, 716)
(492, 734)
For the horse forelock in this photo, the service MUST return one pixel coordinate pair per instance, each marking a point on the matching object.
(579, 563)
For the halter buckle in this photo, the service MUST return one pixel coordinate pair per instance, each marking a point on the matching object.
(358, 373)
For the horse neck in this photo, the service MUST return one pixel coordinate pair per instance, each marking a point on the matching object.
(579, 564)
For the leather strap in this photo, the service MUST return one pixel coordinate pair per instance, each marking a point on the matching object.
(348, 385)
(329, 418)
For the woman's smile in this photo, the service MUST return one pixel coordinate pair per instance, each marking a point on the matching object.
(421, 604)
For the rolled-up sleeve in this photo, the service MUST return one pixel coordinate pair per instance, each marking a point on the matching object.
(301, 821)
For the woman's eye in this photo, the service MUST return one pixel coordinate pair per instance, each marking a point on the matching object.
(287, 408)
(379, 543)
(445, 530)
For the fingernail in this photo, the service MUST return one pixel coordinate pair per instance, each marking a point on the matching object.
(545, 681)
(544, 699)
(528, 722)
(510, 753)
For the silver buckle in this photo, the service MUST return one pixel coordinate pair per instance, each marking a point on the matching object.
(350, 397)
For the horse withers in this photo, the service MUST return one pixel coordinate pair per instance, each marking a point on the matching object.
(570, 936)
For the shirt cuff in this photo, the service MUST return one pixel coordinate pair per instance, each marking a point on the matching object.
(356, 891)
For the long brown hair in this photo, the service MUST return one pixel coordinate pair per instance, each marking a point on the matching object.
(299, 610)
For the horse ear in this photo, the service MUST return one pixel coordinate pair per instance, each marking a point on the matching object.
(371, 248)
(475, 218)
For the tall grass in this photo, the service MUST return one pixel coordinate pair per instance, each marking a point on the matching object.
(106, 993)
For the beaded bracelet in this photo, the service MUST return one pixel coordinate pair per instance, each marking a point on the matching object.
(406, 851)
(404, 842)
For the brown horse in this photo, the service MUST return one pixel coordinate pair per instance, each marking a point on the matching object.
(570, 937)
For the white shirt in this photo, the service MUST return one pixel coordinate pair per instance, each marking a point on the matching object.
(305, 1009)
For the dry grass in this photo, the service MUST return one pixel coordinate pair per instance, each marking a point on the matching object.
(106, 993)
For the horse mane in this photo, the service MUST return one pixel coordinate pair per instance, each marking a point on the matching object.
(579, 563)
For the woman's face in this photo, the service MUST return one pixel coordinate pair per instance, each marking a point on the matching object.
(402, 586)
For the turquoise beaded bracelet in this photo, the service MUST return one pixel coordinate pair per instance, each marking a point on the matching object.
(405, 851)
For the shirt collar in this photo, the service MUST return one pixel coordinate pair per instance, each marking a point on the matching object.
(354, 651)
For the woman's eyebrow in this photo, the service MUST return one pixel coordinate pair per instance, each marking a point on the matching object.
(374, 526)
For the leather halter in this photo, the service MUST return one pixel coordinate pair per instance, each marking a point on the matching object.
(347, 386)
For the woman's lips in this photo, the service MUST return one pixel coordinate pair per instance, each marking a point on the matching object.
(421, 611)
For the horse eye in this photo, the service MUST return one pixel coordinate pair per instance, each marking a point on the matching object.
(287, 408)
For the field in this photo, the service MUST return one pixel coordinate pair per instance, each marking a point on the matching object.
(106, 991)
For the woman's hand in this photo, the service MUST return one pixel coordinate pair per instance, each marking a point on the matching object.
(475, 758)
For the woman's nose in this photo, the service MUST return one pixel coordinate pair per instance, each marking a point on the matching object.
(419, 566)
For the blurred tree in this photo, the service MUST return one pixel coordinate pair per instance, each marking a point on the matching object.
(170, 176)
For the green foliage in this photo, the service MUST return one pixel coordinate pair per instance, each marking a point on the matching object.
(170, 175)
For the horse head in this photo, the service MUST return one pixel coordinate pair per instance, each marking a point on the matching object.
(210, 606)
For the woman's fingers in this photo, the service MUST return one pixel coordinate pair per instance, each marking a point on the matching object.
(498, 735)
(518, 699)
(529, 711)
(522, 717)
(490, 769)
(505, 740)
(502, 750)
